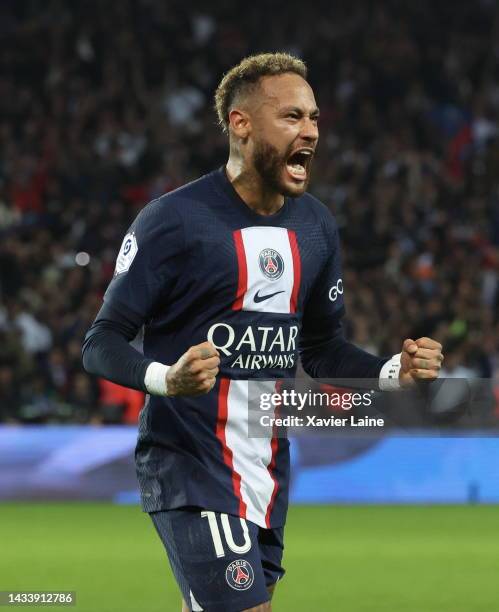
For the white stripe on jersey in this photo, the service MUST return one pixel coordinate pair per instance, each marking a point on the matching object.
(195, 607)
(256, 240)
(250, 456)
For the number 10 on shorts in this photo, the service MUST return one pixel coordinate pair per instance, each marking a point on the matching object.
(229, 538)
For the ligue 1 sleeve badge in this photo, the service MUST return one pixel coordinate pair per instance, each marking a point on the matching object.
(271, 264)
(239, 575)
(127, 254)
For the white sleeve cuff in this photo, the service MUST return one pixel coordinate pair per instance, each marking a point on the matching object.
(389, 375)
(155, 378)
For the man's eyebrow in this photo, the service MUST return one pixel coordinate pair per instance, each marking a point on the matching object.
(295, 109)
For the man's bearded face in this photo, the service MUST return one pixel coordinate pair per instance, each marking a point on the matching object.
(285, 133)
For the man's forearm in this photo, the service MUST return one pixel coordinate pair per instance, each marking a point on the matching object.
(338, 358)
(107, 352)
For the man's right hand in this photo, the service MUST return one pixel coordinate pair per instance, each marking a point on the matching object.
(195, 372)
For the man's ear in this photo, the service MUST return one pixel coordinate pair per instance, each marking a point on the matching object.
(240, 123)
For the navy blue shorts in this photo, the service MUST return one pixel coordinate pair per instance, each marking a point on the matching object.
(222, 563)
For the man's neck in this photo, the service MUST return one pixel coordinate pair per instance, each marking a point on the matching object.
(251, 190)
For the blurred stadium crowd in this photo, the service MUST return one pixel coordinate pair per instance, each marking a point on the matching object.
(106, 105)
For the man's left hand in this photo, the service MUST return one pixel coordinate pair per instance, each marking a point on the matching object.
(420, 360)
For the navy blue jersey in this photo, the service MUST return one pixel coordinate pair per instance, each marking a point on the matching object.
(198, 264)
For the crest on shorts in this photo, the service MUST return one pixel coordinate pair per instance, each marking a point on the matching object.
(271, 264)
(127, 254)
(239, 575)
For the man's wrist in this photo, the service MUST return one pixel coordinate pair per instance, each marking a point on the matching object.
(155, 378)
(389, 374)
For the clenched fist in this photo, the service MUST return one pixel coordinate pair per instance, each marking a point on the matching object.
(420, 360)
(195, 372)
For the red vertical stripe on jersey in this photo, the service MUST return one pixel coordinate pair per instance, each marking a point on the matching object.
(295, 253)
(270, 468)
(223, 411)
(242, 283)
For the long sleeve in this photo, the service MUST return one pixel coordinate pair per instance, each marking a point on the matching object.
(147, 268)
(107, 351)
(324, 351)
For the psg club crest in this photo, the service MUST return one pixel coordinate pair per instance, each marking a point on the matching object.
(271, 264)
(239, 575)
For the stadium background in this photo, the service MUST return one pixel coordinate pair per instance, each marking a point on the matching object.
(106, 105)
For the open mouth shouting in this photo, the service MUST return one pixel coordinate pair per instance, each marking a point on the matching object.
(298, 164)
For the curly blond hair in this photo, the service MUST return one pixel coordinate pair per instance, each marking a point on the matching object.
(241, 79)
